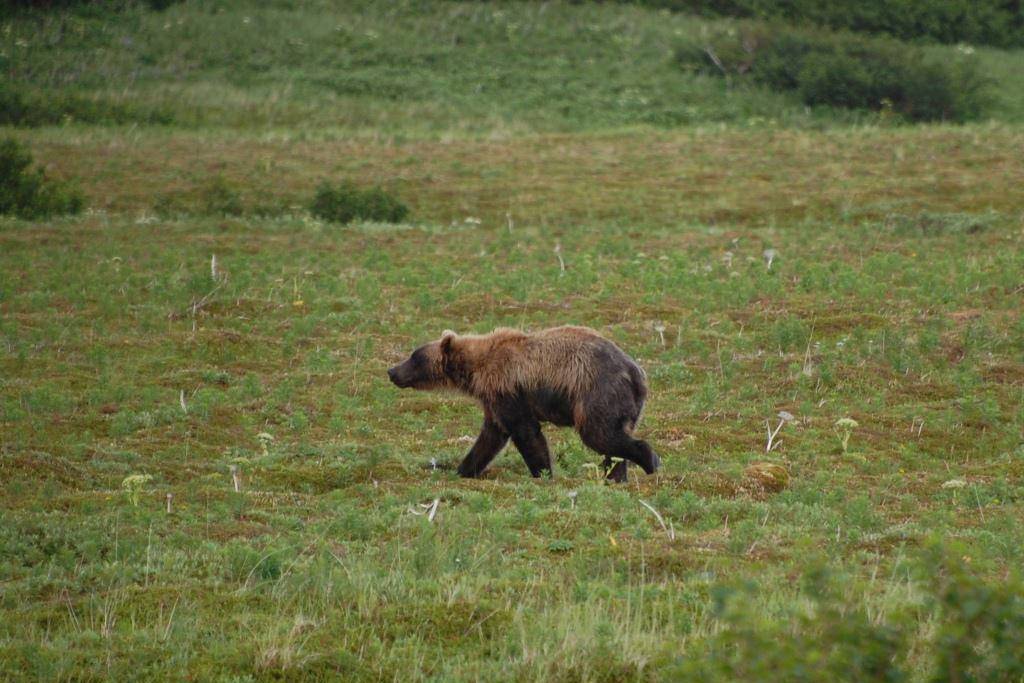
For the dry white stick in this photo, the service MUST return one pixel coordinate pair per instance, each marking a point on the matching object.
(429, 509)
(771, 436)
(194, 307)
(671, 532)
(784, 417)
(170, 497)
(170, 619)
(71, 611)
(236, 478)
(716, 61)
(213, 267)
(181, 400)
(558, 253)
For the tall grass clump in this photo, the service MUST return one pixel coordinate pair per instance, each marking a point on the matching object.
(821, 638)
(844, 70)
(345, 202)
(980, 636)
(26, 192)
(978, 633)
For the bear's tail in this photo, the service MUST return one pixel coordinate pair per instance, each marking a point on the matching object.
(638, 383)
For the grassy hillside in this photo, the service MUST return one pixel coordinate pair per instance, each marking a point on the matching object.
(404, 67)
(753, 256)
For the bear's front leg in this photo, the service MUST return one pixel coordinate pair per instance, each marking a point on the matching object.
(531, 443)
(488, 444)
(518, 420)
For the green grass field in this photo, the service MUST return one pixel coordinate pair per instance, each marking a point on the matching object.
(754, 256)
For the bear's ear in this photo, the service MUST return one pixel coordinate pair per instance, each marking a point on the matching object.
(446, 342)
(452, 365)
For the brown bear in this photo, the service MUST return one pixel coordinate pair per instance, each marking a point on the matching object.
(569, 376)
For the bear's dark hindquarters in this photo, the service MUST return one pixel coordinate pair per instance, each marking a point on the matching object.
(488, 444)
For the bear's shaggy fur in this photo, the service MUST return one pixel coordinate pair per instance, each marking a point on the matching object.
(569, 376)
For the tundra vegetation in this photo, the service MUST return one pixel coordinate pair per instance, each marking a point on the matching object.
(206, 474)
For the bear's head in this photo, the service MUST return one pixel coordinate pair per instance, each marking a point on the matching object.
(430, 366)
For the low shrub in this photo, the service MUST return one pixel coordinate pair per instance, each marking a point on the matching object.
(999, 23)
(28, 108)
(932, 224)
(26, 192)
(844, 70)
(96, 7)
(344, 203)
(169, 205)
(221, 199)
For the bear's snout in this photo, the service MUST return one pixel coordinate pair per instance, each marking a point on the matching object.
(395, 375)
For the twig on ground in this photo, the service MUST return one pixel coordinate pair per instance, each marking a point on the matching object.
(671, 532)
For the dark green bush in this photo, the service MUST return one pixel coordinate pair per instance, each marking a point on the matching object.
(935, 224)
(221, 199)
(11, 7)
(22, 107)
(982, 22)
(844, 70)
(26, 192)
(344, 203)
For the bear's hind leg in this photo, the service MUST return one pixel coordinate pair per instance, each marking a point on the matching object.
(488, 444)
(616, 443)
(619, 472)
